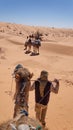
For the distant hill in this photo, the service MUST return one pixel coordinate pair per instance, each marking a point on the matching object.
(24, 30)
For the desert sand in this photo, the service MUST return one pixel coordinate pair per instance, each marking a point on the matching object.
(56, 56)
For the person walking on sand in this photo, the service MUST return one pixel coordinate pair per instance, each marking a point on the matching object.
(36, 45)
(22, 80)
(43, 87)
(28, 44)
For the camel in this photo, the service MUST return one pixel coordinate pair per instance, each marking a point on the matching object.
(33, 43)
(21, 122)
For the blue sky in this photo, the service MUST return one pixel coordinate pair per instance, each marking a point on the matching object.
(50, 13)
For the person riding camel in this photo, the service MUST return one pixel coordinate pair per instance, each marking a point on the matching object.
(43, 87)
(22, 79)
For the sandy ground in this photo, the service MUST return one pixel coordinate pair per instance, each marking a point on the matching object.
(57, 58)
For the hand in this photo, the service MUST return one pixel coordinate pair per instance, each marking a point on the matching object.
(56, 80)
